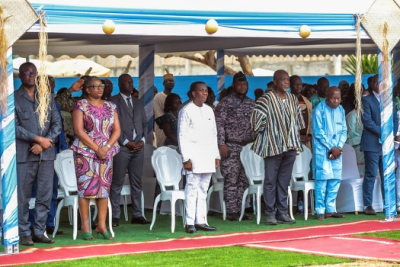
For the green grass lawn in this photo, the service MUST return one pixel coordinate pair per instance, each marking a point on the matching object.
(389, 234)
(224, 256)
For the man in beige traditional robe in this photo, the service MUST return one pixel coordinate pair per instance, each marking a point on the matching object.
(159, 100)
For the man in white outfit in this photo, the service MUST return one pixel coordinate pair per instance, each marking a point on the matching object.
(197, 136)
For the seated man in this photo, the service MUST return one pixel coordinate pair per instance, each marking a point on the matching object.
(329, 134)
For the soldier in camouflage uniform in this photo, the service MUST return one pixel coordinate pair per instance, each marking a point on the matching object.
(233, 115)
(66, 102)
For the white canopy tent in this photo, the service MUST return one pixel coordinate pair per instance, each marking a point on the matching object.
(177, 26)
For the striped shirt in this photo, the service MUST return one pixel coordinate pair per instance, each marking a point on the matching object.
(277, 123)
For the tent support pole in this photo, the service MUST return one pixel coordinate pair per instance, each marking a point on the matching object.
(146, 85)
(8, 168)
(396, 64)
(220, 70)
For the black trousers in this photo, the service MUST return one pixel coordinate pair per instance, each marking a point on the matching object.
(278, 172)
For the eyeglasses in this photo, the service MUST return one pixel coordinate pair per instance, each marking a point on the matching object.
(96, 86)
(29, 73)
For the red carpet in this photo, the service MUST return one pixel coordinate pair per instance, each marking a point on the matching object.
(244, 238)
(342, 247)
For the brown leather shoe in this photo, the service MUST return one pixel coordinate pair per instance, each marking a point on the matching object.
(369, 211)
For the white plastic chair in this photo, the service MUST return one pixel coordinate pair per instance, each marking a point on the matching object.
(350, 194)
(254, 169)
(301, 169)
(217, 186)
(167, 164)
(65, 169)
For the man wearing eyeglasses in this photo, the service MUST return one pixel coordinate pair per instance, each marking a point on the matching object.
(35, 156)
(133, 120)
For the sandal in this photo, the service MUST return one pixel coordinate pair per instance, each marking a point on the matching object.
(105, 235)
(320, 216)
(87, 236)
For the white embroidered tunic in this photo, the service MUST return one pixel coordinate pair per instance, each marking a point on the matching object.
(197, 137)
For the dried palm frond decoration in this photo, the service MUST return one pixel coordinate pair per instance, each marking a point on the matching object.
(3, 62)
(42, 81)
(358, 81)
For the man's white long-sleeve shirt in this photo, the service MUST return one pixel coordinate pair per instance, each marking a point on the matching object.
(197, 136)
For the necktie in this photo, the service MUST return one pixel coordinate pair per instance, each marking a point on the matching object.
(130, 108)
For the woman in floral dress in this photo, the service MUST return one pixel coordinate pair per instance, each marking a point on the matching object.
(97, 130)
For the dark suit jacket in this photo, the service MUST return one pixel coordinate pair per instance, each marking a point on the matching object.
(61, 144)
(128, 123)
(27, 126)
(371, 120)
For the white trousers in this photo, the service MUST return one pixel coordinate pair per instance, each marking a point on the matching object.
(195, 197)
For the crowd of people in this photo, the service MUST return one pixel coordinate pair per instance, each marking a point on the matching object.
(107, 135)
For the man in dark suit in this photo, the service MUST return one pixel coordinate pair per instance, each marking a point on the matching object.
(35, 155)
(133, 122)
(371, 142)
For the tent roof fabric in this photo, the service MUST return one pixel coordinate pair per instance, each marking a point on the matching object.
(244, 28)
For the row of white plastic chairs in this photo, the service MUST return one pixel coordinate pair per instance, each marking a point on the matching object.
(167, 164)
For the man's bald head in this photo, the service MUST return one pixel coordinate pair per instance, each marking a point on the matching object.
(281, 81)
(279, 73)
(333, 97)
(331, 90)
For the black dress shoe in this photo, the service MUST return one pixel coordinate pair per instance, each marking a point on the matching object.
(205, 227)
(50, 231)
(190, 229)
(115, 222)
(369, 211)
(42, 239)
(139, 220)
(233, 216)
(26, 241)
(247, 217)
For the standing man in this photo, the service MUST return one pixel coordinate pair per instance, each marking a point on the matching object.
(329, 135)
(35, 156)
(277, 120)
(371, 142)
(197, 133)
(305, 105)
(59, 145)
(233, 116)
(133, 123)
(322, 87)
(159, 100)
